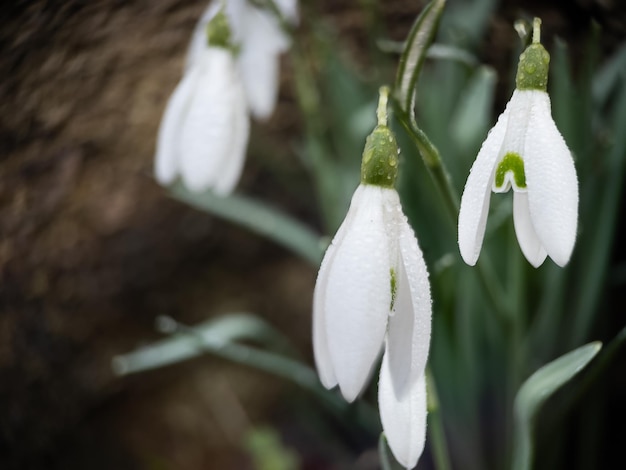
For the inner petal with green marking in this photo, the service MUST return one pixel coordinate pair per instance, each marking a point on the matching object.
(510, 172)
(394, 287)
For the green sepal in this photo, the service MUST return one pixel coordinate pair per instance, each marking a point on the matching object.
(379, 166)
(532, 70)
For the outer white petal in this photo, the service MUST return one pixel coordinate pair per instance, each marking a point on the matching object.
(208, 131)
(475, 200)
(526, 236)
(552, 182)
(233, 166)
(168, 140)
(263, 41)
(408, 336)
(357, 297)
(403, 420)
(321, 352)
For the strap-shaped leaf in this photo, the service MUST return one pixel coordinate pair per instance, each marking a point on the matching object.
(536, 390)
(259, 217)
(420, 37)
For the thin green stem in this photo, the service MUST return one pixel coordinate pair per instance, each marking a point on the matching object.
(436, 430)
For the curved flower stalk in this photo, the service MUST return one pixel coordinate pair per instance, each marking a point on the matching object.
(205, 128)
(525, 151)
(260, 41)
(372, 290)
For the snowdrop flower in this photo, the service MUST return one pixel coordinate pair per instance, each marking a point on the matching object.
(205, 127)
(260, 40)
(372, 290)
(526, 152)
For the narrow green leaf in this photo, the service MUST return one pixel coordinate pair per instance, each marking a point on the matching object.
(383, 453)
(259, 218)
(420, 37)
(609, 76)
(536, 390)
(214, 333)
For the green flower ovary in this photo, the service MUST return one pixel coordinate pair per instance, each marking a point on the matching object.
(218, 31)
(379, 166)
(513, 163)
(532, 70)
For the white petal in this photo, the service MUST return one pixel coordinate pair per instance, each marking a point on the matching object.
(208, 131)
(321, 352)
(259, 61)
(475, 200)
(408, 337)
(357, 297)
(170, 129)
(233, 166)
(526, 236)
(403, 420)
(552, 182)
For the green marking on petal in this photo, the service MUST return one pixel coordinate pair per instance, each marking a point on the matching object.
(394, 287)
(511, 163)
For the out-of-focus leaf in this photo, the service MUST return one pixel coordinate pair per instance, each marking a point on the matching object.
(435, 51)
(268, 451)
(212, 334)
(259, 218)
(611, 73)
(472, 118)
(597, 250)
(536, 390)
(420, 37)
(220, 337)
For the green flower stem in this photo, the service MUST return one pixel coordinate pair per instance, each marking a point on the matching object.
(436, 431)
(438, 172)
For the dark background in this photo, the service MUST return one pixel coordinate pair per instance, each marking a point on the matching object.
(92, 250)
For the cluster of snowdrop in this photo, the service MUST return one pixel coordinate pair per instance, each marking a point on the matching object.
(232, 71)
(372, 292)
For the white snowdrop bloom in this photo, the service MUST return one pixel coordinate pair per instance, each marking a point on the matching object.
(260, 41)
(372, 290)
(205, 128)
(525, 151)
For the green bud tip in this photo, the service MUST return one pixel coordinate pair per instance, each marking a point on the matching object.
(532, 70)
(218, 30)
(379, 165)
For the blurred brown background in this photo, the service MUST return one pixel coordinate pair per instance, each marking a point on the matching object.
(92, 250)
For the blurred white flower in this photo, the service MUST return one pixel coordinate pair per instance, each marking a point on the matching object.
(205, 127)
(260, 39)
(525, 151)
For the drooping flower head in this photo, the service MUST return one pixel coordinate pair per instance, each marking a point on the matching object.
(525, 151)
(260, 41)
(372, 290)
(205, 128)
